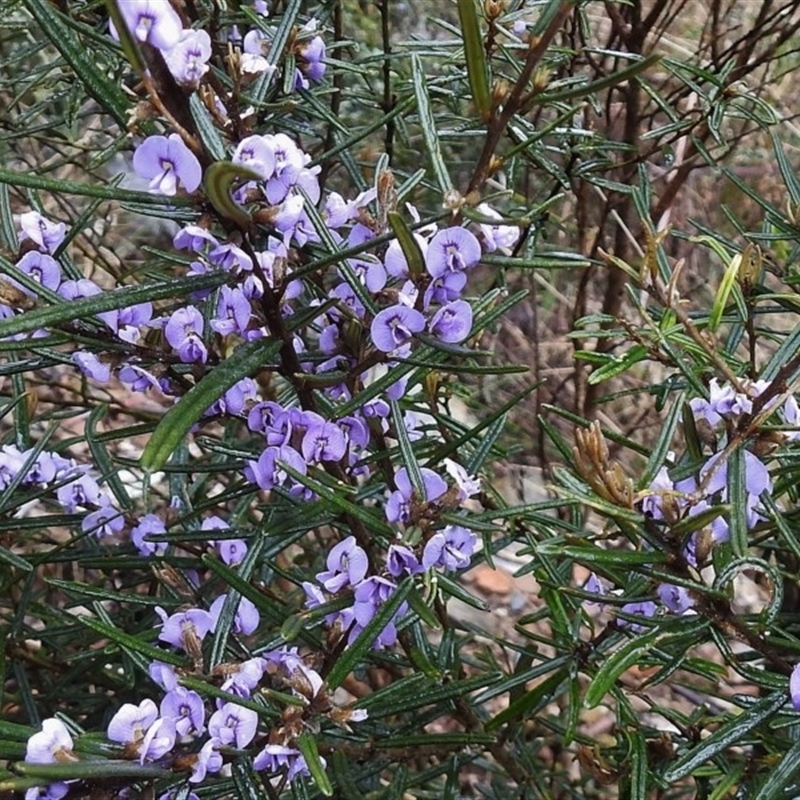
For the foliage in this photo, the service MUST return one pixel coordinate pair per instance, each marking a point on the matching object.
(255, 257)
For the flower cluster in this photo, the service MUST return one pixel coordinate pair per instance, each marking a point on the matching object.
(186, 733)
(347, 328)
(691, 495)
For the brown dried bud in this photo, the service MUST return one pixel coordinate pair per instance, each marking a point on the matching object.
(387, 195)
(495, 163)
(541, 79)
(10, 295)
(493, 9)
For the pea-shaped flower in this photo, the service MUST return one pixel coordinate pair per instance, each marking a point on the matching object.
(165, 161)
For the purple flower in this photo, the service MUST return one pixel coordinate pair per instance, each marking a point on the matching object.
(257, 154)
(394, 326)
(149, 525)
(158, 740)
(182, 626)
(91, 366)
(596, 587)
(188, 59)
(163, 675)
(252, 60)
(756, 480)
(496, 237)
(184, 332)
(194, 239)
(152, 21)
(275, 758)
(721, 403)
(675, 598)
(82, 492)
(231, 258)
(323, 441)
(165, 161)
(467, 485)
(369, 272)
(312, 58)
(54, 791)
(47, 235)
(400, 559)
(267, 472)
(208, 760)
(449, 549)
(232, 551)
(289, 163)
(644, 608)
(103, 521)
(453, 322)
(794, 688)
(452, 250)
(347, 565)
(445, 288)
(233, 312)
(246, 677)
(233, 725)
(398, 505)
(245, 620)
(262, 415)
(42, 268)
(186, 708)
(51, 744)
(129, 724)
(370, 595)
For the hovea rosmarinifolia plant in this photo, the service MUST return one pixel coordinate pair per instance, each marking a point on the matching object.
(234, 526)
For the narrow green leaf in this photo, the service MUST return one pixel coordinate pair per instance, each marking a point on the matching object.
(586, 89)
(206, 129)
(94, 770)
(428, 122)
(723, 292)
(334, 495)
(278, 37)
(590, 554)
(307, 745)
(523, 707)
(12, 559)
(219, 180)
(81, 58)
(357, 651)
(662, 445)
(475, 56)
(7, 230)
(247, 783)
(406, 451)
(408, 244)
(637, 756)
(788, 170)
(615, 365)
(728, 735)
(129, 43)
(125, 640)
(618, 662)
(60, 186)
(103, 460)
(737, 503)
(780, 776)
(87, 307)
(175, 424)
(417, 691)
(434, 739)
